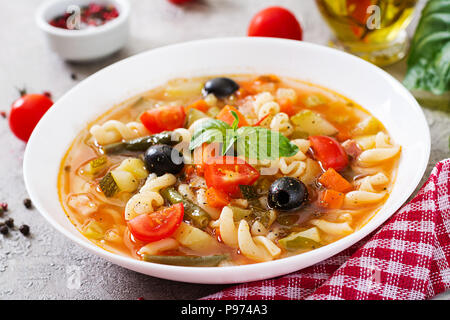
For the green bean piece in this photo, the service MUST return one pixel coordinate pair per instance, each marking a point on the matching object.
(188, 261)
(197, 215)
(141, 144)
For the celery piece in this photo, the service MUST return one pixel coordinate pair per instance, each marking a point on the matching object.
(93, 230)
(299, 134)
(308, 239)
(213, 112)
(194, 238)
(194, 115)
(183, 88)
(368, 126)
(313, 100)
(240, 213)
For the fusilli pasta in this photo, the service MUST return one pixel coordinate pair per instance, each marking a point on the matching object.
(382, 151)
(280, 123)
(113, 131)
(258, 248)
(333, 228)
(148, 197)
(264, 105)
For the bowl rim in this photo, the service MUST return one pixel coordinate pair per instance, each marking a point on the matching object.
(327, 251)
(123, 6)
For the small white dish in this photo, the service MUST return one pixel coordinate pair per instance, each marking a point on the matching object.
(350, 76)
(86, 44)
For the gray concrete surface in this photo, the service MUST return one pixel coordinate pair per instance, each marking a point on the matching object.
(46, 265)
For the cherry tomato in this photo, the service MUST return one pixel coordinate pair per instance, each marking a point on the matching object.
(329, 152)
(26, 113)
(157, 225)
(165, 118)
(275, 22)
(179, 1)
(227, 173)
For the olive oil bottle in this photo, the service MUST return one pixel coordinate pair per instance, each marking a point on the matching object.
(371, 29)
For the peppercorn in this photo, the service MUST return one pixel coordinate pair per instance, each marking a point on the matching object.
(73, 76)
(4, 230)
(3, 114)
(27, 203)
(1, 212)
(24, 229)
(10, 222)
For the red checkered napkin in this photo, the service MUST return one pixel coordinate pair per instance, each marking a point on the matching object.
(408, 258)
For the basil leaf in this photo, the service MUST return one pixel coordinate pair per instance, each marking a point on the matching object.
(230, 139)
(429, 58)
(235, 124)
(208, 131)
(208, 136)
(261, 143)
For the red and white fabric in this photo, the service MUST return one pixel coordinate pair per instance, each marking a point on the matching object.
(407, 258)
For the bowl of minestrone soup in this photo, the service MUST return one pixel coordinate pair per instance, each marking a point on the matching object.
(227, 160)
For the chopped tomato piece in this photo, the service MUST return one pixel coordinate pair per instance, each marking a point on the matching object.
(217, 198)
(331, 199)
(157, 225)
(329, 152)
(164, 118)
(227, 173)
(226, 116)
(289, 108)
(333, 180)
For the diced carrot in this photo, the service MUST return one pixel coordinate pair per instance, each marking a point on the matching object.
(199, 105)
(331, 199)
(226, 116)
(331, 179)
(217, 198)
(342, 136)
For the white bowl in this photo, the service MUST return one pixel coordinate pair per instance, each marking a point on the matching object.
(355, 78)
(86, 44)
